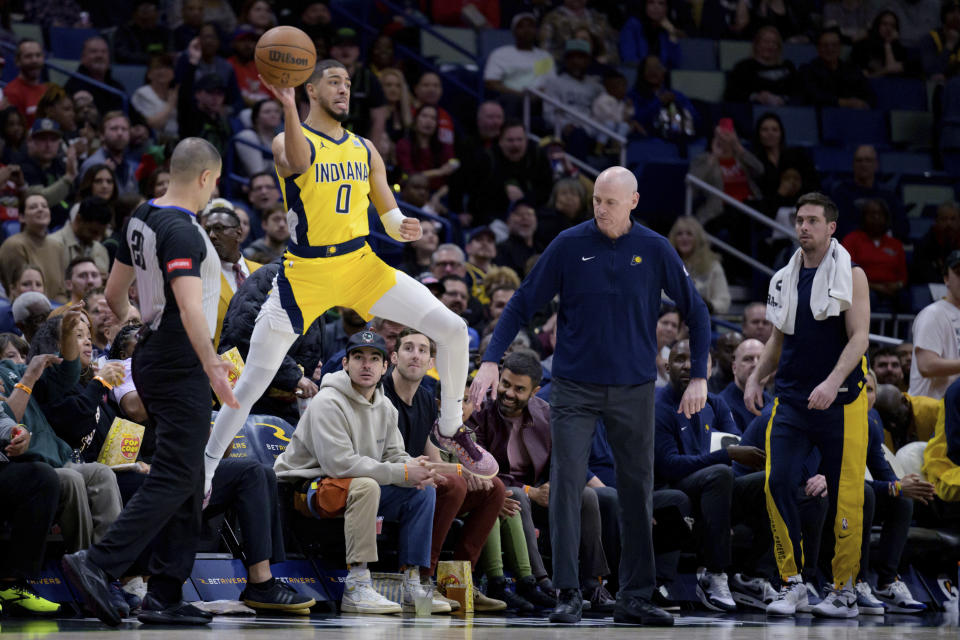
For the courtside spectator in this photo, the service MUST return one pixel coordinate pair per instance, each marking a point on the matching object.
(849, 194)
(262, 195)
(906, 418)
(80, 277)
(27, 277)
(660, 111)
(448, 260)
(34, 246)
(396, 94)
(936, 347)
(576, 91)
(187, 17)
(755, 323)
(13, 133)
(95, 63)
(917, 18)
(745, 358)
(200, 102)
(689, 239)
(276, 234)
(336, 333)
(765, 78)
(885, 363)
(569, 205)
(829, 81)
(25, 91)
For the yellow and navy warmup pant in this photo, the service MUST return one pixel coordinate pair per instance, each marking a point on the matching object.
(840, 433)
(310, 286)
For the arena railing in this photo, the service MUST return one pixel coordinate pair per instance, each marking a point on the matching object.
(80, 76)
(694, 183)
(587, 120)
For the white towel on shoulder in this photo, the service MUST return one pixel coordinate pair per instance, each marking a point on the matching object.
(830, 295)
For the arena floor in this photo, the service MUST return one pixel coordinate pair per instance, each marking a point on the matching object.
(689, 626)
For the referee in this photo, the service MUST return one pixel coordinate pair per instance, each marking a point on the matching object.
(177, 273)
(609, 273)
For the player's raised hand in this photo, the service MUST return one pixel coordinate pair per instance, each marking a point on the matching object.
(286, 95)
(410, 229)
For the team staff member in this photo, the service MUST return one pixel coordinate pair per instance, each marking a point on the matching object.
(177, 272)
(820, 400)
(329, 177)
(609, 272)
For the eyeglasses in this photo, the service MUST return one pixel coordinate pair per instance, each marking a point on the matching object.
(220, 228)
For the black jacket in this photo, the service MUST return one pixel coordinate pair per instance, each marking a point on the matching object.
(242, 315)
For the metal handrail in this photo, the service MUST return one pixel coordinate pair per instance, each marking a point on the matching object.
(583, 166)
(80, 76)
(420, 213)
(576, 115)
(753, 262)
(693, 181)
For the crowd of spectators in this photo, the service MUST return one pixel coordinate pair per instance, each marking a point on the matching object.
(77, 159)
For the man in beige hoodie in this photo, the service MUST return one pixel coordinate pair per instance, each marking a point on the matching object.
(349, 430)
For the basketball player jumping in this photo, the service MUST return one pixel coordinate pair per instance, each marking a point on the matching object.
(328, 177)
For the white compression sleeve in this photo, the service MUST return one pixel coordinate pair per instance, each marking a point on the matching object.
(391, 223)
(410, 303)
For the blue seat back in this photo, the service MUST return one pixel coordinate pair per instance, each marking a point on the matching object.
(267, 437)
(66, 42)
(851, 127)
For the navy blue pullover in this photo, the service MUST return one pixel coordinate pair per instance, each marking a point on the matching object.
(609, 303)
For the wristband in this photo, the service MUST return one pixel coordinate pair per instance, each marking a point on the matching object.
(526, 489)
(391, 223)
(27, 390)
(460, 470)
(103, 382)
(406, 477)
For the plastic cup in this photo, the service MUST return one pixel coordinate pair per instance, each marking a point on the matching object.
(423, 601)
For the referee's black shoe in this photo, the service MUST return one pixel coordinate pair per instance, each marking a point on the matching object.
(152, 611)
(93, 585)
(569, 607)
(632, 610)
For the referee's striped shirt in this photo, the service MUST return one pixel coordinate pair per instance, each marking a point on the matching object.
(163, 243)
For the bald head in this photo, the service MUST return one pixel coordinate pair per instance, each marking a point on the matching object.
(614, 197)
(191, 157)
(745, 359)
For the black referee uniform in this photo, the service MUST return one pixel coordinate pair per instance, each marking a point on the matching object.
(161, 244)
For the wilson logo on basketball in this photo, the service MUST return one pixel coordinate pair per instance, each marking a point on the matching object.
(286, 58)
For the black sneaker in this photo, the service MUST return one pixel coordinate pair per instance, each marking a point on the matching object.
(93, 585)
(152, 611)
(497, 589)
(600, 599)
(661, 598)
(569, 607)
(534, 593)
(636, 611)
(277, 596)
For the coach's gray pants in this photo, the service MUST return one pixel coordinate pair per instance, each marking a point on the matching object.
(89, 503)
(627, 412)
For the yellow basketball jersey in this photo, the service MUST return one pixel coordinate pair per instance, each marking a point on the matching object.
(330, 199)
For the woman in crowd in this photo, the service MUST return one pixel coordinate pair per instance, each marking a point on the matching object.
(690, 240)
(13, 132)
(382, 56)
(726, 166)
(257, 14)
(770, 146)
(28, 277)
(421, 151)
(58, 106)
(157, 99)
(397, 94)
(265, 116)
(765, 77)
(649, 32)
(569, 205)
(13, 348)
(881, 53)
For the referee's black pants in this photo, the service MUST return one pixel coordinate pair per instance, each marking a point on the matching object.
(176, 394)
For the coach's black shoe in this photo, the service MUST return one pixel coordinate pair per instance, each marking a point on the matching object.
(535, 594)
(152, 611)
(632, 610)
(497, 589)
(93, 585)
(600, 599)
(569, 607)
(275, 595)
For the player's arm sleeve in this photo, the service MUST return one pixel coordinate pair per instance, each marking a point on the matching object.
(679, 286)
(180, 250)
(538, 288)
(123, 249)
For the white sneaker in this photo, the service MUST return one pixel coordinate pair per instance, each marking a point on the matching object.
(813, 599)
(898, 598)
(752, 592)
(359, 596)
(714, 592)
(791, 598)
(838, 603)
(867, 604)
(439, 605)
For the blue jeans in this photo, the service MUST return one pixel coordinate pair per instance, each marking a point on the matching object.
(413, 508)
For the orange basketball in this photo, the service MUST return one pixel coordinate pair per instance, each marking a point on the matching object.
(285, 56)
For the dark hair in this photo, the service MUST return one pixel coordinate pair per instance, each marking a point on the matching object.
(879, 202)
(321, 67)
(410, 331)
(435, 147)
(68, 272)
(445, 279)
(47, 338)
(828, 30)
(98, 291)
(149, 184)
(667, 308)
(123, 208)
(94, 209)
(118, 346)
(875, 25)
(817, 199)
(20, 270)
(884, 351)
(769, 115)
(524, 362)
(227, 211)
(86, 182)
(510, 123)
(50, 98)
(260, 174)
(645, 90)
(5, 116)
(255, 111)
(18, 343)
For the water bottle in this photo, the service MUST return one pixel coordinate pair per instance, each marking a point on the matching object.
(84, 22)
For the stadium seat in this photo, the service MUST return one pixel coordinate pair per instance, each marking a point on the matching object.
(26, 30)
(913, 129)
(732, 52)
(851, 127)
(951, 163)
(908, 94)
(698, 54)
(701, 85)
(131, 76)
(664, 191)
(66, 42)
(919, 228)
(267, 437)
(434, 48)
(58, 77)
(800, 123)
(927, 194)
(828, 160)
(644, 150)
(908, 162)
(799, 53)
(490, 39)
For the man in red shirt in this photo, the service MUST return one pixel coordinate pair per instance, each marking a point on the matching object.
(880, 255)
(25, 90)
(245, 67)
